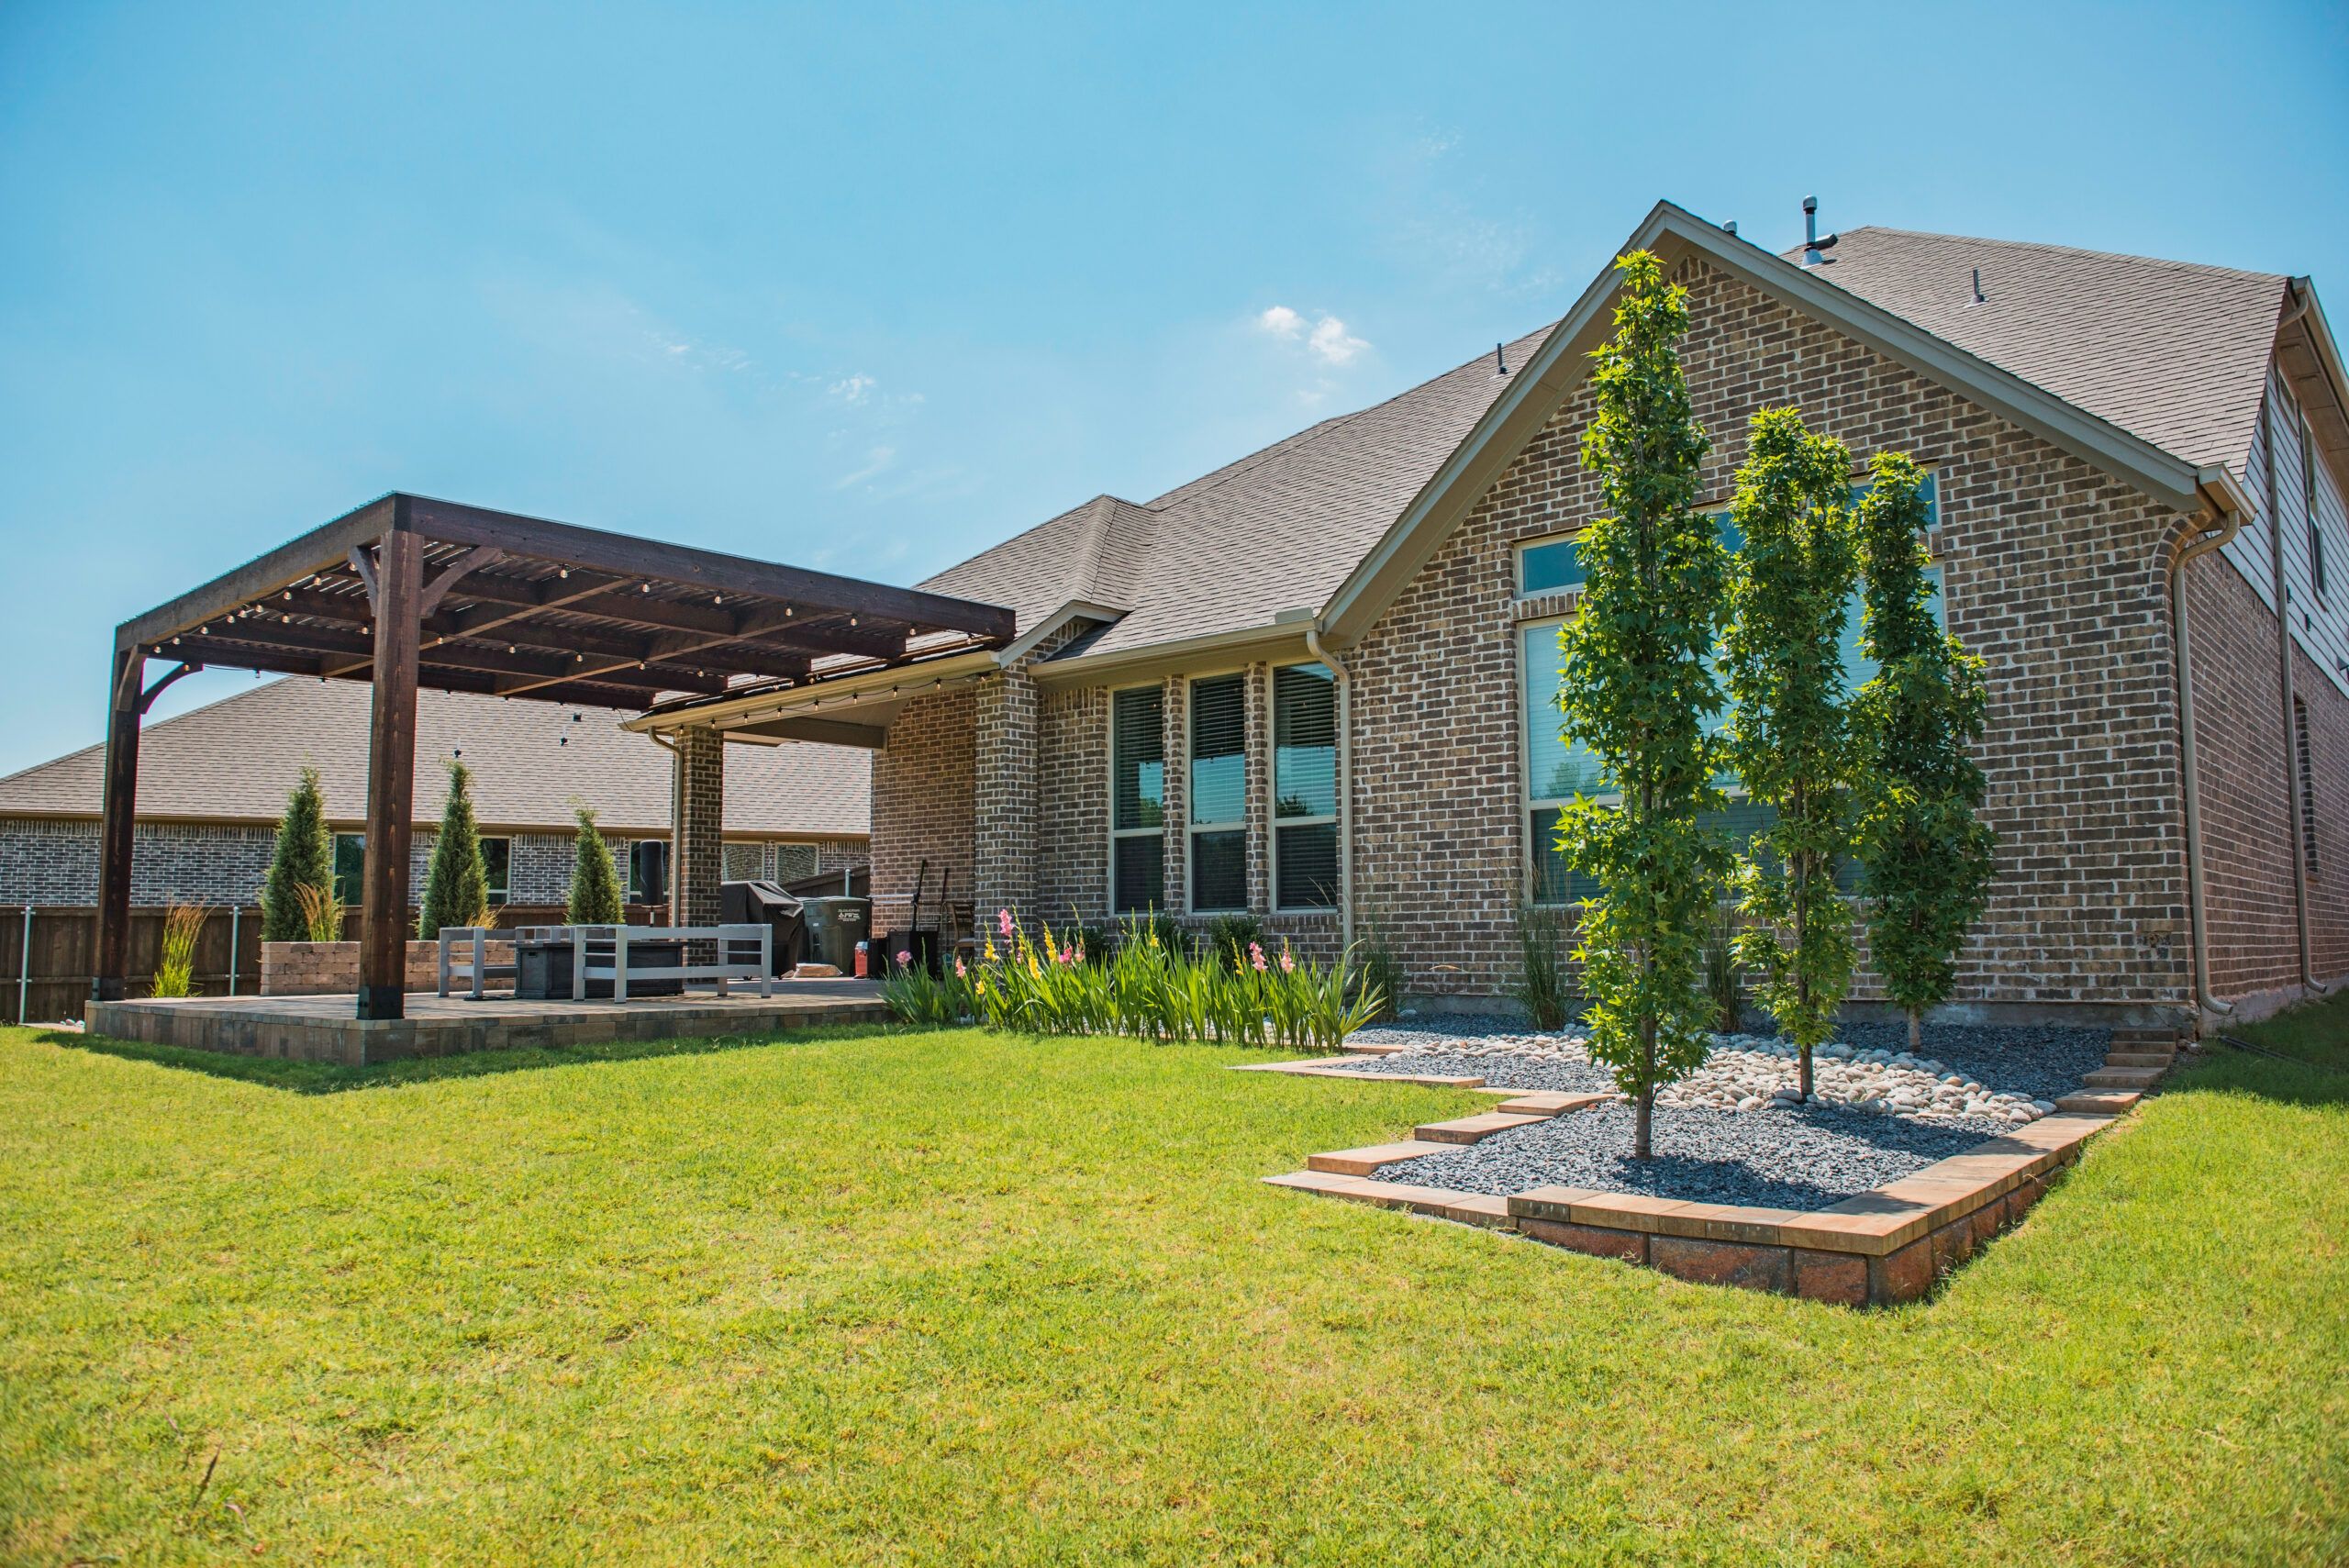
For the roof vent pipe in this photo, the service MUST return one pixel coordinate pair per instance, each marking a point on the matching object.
(1814, 244)
(1977, 285)
(1501, 365)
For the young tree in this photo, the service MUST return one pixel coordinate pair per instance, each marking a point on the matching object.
(1636, 689)
(1925, 857)
(1790, 734)
(304, 858)
(595, 878)
(456, 888)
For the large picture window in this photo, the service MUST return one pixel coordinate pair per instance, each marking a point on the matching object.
(1218, 793)
(1138, 800)
(496, 864)
(1557, 769)
(648, 871)
(350, 866)
(1305, 788)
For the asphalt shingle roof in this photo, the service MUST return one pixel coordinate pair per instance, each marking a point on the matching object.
(235, 760)
(2173, 352)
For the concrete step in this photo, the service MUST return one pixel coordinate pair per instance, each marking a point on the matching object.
(2099, 1102)
(2138, 1078)
(1473, 1129)
(2140, 1058)
(2147, 1040)
(1363, 1162)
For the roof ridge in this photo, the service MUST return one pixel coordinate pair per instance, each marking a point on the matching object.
(2048, 245)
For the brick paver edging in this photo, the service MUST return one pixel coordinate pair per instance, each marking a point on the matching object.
(1883, 1246)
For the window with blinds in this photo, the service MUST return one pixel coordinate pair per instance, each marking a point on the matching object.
(1305, 788)
(1138, 800)
(1219, 795)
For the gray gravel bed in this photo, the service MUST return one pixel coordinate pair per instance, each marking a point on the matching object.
(1500, 1072)
(1802, 1158)
(2044, 1062)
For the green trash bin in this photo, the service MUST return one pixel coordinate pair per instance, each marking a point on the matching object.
(835, 926)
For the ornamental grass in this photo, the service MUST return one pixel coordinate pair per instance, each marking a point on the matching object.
(1150, 985)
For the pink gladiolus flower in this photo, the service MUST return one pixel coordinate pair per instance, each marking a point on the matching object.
(1288, 964)
(1003, 922)
(959, 971)
(904, 957)
(1256, 956)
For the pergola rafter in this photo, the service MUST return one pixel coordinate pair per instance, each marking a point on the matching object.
(408, 592)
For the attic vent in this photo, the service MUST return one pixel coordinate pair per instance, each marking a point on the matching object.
(1814, 244)
(1501, 365)
(1977, 298)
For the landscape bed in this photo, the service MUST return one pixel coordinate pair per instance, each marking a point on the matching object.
(1897, 1169)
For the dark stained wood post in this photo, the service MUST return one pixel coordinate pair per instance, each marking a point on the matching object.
(116, 820)
(391, 773)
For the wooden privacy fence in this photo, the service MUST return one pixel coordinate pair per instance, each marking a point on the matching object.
(48, 952)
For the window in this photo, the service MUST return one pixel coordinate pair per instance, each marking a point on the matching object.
(648, 871)
(1218, 828)
(1138, 800)
(1305, 788)
(2308, 784)
(1550, 566)
(2308, 494)
(350, 866)
(497, 858)
(1557, 769)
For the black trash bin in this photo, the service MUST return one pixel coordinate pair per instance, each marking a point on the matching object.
(764, 904)
(834, 928)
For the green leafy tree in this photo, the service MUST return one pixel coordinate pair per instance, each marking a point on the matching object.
(1790, 734)
(1925, 856)
(594, 878)
(1636, 689)
(304, 859)
(456, 885)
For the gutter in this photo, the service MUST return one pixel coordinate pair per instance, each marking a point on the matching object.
(1345, 785)
(2300, 297)
(2224, 504)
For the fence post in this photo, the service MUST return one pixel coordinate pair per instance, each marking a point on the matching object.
(25, 968)
(236, 913)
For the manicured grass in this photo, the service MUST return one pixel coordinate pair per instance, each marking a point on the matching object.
(947, 1297)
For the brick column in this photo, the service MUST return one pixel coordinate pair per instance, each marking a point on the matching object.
(1004, 841)
(1258, 811)
(696, 841)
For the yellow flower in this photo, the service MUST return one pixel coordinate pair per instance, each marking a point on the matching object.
(990, 949)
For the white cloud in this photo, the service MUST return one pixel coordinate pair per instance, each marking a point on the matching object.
(876, 462)
(1281, 321)
(1327, 339)
(1333, 342)
(854, 388)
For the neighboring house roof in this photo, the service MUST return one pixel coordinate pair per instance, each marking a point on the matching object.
(2171, 352)
(1278, 530)
(237, 759)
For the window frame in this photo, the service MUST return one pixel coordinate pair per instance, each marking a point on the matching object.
(1193, 830)
(1275, 821)
(629, 892)
(498, 888)
(1516, 563)
(1109, 811)
(334, 867)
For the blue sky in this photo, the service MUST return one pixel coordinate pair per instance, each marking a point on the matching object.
(870, 288)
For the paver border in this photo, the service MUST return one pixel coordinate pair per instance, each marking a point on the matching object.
(1874, 1248)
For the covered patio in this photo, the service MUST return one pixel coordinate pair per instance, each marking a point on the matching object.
(407, 591)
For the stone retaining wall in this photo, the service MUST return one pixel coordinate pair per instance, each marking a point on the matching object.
(331, 969)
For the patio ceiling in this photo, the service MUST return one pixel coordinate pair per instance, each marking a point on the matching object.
(523, 607)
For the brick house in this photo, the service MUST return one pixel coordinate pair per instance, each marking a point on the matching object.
(217, 780)
(1313, 686)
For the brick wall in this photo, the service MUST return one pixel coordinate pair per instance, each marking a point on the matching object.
(47, 861)
(697, 858)
(2328, 719)
(1073, 810)
(923, 797)
(2051, 572)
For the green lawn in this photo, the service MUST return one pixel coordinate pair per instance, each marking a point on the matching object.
(950, 1298)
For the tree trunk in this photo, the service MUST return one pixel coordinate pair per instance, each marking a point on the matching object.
(1916, 1032)
(1802, 975)
(1643, 1118)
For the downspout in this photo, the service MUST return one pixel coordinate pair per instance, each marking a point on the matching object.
(1345, 785)
(2231, 522)
(676, 827)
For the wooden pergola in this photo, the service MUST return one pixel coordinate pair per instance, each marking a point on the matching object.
(407, 591)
